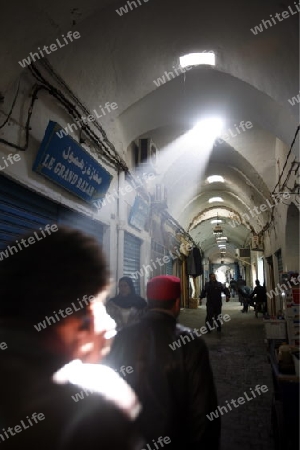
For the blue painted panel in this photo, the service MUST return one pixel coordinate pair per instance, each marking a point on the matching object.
(22, 210)
(62, 160)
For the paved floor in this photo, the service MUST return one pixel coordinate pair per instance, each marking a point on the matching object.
(239, 362)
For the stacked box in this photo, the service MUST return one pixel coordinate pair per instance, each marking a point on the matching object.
(296, 295)
(292, 311)
(292, 315)
(293, 328)
(275, 329)
(294, 342)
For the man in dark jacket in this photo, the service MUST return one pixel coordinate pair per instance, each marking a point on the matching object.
(171, 373)
(260, 294)
(51, 314)
(240, 284)
(212, 291)
(233, 286)
(245, 294)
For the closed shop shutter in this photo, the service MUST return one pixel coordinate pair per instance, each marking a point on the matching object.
(73, 219)
(22, 210)
(158, 251)
(132, 258)
(169, 267)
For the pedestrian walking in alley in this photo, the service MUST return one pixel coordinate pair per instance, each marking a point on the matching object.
(260, 295)
(127, 307)
(174, 383)
(240, 283)
(244, 293)
(52, 316)
(212, 291)
(233, 286)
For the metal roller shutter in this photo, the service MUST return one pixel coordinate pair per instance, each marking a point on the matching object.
(169, 267)
(73, 219)
(132, 263)
(158, 251)
(22, 210)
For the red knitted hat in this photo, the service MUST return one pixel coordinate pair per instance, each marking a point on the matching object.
(164, 287)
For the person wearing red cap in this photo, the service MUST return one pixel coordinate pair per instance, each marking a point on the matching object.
(173, 382)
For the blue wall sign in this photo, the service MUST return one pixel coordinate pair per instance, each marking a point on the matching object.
(139, 213)
(66, 163)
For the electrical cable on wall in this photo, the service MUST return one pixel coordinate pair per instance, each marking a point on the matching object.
(12, 107)
(109, 155)
(110, 160)
(105, 144)
(27, 126)
(288, 155)
(71, 109)
(52, 72)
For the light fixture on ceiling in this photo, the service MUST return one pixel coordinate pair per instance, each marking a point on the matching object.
(218, 230)
(197, 59)
(215, 199)
(216, 221)
(215, 179)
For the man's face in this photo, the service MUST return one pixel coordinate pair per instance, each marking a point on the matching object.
(212, 277)
(87, 338)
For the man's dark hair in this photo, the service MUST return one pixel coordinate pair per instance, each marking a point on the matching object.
(159, 304)
(51, 274)
(257, 282)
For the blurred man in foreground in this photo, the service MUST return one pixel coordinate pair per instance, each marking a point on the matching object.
(51, 314)
(171, 372)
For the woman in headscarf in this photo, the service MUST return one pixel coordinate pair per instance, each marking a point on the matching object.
(127, 307)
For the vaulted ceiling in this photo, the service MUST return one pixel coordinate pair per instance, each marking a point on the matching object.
(118, 58)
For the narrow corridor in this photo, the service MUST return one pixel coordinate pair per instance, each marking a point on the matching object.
(239, 361)
(168, 133)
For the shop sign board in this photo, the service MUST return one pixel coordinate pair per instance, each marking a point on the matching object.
(63, 161)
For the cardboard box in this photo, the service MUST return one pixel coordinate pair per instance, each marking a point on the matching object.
(294, 342)
(275, 329)
(293, 327)
(292, 311)
(296, 295)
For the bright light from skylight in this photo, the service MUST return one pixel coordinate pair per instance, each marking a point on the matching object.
(196, 59)
(209, 128)
(215, 199)
(215, 179)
